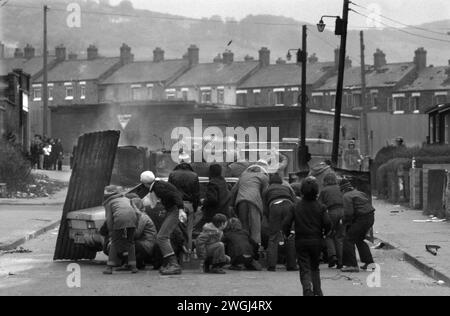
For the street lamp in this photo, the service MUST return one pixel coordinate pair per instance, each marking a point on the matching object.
(341, 29)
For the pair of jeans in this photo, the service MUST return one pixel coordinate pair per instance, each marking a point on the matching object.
(189, 209)
(122, 241)
(165, 232)
(215, 253)
(250, 217)
(308, 256)
(335, 241)
(355, 236)
(277, 213)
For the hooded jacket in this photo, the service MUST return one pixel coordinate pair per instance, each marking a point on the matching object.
(209, 236)
(187, 182)
(119, 212)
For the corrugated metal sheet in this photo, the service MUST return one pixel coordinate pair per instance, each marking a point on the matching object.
(92, 169)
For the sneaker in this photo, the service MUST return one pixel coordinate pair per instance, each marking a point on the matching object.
(368, 267)
(134, 270)
(171, 269)
(332, 263)
(217, 271)
(108, 271)
(350, 269)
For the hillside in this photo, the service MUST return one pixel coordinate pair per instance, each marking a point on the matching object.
(144, 30)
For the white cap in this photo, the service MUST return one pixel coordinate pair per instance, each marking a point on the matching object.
(148, 177)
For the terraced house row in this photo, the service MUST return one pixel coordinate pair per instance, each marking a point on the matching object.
(404, 88)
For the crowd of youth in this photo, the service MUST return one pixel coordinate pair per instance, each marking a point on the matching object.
(321, 219)
(46, 153)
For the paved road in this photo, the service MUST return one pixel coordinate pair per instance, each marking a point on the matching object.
(37, 274)
(18, 221)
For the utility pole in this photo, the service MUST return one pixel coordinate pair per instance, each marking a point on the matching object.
(340, 85)
(304, 60)
(45, 83)
(364, 131)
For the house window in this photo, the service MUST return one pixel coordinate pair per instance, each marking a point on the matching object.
(241, 99)
(136, 92)
(332, 101)
(50, 93)
(399, 105)
(374, 101)
(279, 98)
(440, 99)
(37, 93)
(415, 104)
(257, 95)
(69, 91)
(220, 96)
(349, 101)
(82, 91)
(149, 92)
(205, 96)
(357, 100)
(171, 94)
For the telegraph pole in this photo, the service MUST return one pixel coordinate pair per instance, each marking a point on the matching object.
(364, 131)
(340, 86)
(45, 83)
(304, 61)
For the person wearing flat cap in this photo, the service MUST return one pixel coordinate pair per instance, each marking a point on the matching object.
(172, 201)
(359, 217)
(121, 221)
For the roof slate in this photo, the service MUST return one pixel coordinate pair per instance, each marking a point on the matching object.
(431, 78)
(285, 75)
(78, 70)
(147, 71)
(216, 74)
(388, 76)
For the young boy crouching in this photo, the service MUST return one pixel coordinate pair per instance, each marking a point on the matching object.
(210, 247)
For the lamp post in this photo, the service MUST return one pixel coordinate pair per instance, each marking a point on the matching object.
(302, 57)
(341, 29)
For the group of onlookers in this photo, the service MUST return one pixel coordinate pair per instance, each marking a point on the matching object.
(46, 153)
(311, 222)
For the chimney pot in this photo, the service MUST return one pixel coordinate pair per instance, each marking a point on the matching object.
(29, 51)
(126, 56)
(228, 57)
(218, 59)
(313, 59)
(92, 52)
(158, 55)
(18, 53)
(420, 59)
(280, 61)
(193, 55)
(60, 52)
(264, 57)
(379, 59)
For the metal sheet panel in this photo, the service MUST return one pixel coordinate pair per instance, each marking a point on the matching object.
(92, 169)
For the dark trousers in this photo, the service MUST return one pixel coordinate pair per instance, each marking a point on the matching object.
(355, 236)
(165, 232)
(335, 241)
(277, 213)
(122, 241)
(308, 255)
(250, 217)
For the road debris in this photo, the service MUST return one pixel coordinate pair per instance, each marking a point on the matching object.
(14, 251)
(433, 249)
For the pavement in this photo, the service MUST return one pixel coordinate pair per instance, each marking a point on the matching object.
(25, 219)
(395, 226)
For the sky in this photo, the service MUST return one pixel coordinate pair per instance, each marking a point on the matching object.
(407, 11)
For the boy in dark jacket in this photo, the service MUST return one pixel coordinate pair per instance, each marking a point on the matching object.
(359, 217)
(210, 247)
(332, 198)
(121, 221)
(218, 196)
(172, 201)
(311, 223)
(187, 182)
(278, 201)
(240, 247)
